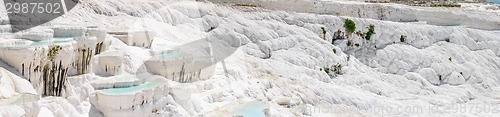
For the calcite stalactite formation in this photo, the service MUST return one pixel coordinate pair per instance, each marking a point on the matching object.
(47, 56)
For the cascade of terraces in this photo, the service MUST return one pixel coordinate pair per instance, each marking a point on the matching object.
(50, 57)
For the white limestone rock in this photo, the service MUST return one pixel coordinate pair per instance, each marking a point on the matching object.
(182, 94)
(181, 67)
(98, 32)
(99, 83)
(130, 101)
(12, 111)
(44, 112)
(286, 101)
(135, 38)
(387, 12)
(109, 63)
(430, 75)
(31, 58)
(8, 87)
(36, 35)
(68, 31)
(83, 52)
(122, 35)
(297, 52)
(143, 38)
(455, 78)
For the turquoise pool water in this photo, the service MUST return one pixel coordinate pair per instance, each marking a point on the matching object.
(35, 43)
(14, 44)
(53, 41)
(125, 90)
(494, 1)
(65, 37)
(173, 55)
(458, 26)
(39, 43)
(166, 47)
(204, 59)
(6, 35)
(252, 109)
(110, 53)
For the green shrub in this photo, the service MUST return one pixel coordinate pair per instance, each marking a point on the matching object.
(447, 40)
(402, 38)
(359, 33)
(357, 44)
(334, 50)
(445, 5)
(324, 33)
(53, 51)
(349, 43)
(337, 69)
(449, 58)
(371, 31)
(327, 70)
(350, 26)
(371, 28)
(324, 30)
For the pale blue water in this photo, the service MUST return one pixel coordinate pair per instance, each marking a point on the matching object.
(39, 43)
(252, 109)
(119, 91)
(61, 40)
(459, 26)
(14, 44)
(173, 55)
(494, 1)
(110, 53)
(6, 35)
(53, 41)
(168, 46)
(202, 57)
(35, 43)
(63, 37)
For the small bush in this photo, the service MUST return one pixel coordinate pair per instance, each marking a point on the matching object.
(350, 26)
(324, 33)
(349, 43)
(324, 30)
(334, 50)
(359, 33)
(449, 58)
(245, 5)
(371, 28)
(53, 51)
(447, 40)
(327, 70)
(337, 69)
(357, 44)
(445, 5)
(402, 38)
(371, 31)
